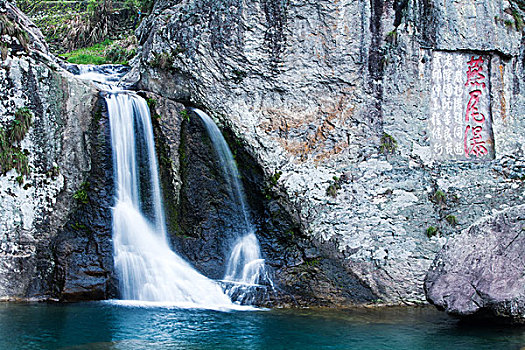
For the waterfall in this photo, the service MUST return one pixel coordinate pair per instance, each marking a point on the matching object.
(147, 268)
(245, 267)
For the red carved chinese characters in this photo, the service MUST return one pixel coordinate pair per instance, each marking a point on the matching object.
(474, 145)
(472, 107)
(474, 76)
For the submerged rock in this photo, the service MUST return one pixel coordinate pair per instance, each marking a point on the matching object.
(481, 272)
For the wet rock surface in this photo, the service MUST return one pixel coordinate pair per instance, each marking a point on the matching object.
(480, 273)
(84, 268)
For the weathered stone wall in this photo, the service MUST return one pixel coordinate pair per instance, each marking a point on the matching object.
(342, 98)
(59, 144)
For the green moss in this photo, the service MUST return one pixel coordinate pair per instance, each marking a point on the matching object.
(165, 161)
(81, 195)
(78, 226)
(313, 262)
(97, 116)
(4, 144)
(89, 55)
(20, 180)
(518, 20)
(388, 144)
(334, 186)
(20, 125)
(152, 103)
(516, 8)
(431, 231)
(451, 219)
(21, 162)
(508, 23)
(272, 182)
(391, 37)
(439, 197)
(106, 52)
(275, 177)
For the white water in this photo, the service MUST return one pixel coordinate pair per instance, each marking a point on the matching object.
(149, 271)
(245, 265)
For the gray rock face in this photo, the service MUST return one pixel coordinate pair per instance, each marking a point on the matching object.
(200, 216)
(481, 271)
(36, 258)
(352, 90)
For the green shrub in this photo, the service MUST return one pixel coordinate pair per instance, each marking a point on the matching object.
(11, 28)
(439, 197)
(20, 125)
(20, 180)
(388, 144)
(162, 60)
(185, 115)
(518, 20)
(334, 186)
(11, 155)
(275, 178)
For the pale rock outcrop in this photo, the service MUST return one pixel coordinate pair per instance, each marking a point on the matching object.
(35, 210)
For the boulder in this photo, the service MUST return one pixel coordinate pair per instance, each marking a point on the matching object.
(481, 272)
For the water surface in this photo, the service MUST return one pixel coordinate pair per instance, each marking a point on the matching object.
(109, 326)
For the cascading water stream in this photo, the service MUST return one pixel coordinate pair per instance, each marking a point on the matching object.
(148, 269)
(245, 267)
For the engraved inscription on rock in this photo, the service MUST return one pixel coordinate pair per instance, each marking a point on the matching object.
(460, 123)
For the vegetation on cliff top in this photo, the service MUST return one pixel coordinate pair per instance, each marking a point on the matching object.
(102, 28)
(106, 52)
(11, 28)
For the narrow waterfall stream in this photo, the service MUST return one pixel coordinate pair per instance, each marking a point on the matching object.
(148, 270)
(245, 269)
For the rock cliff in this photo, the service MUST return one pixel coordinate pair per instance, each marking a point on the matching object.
(49, 141)
(368, 134)
(383, 128)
